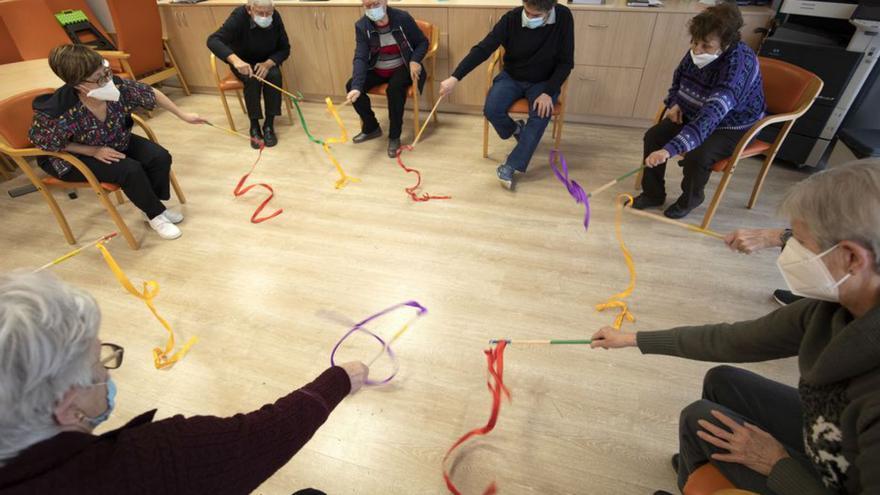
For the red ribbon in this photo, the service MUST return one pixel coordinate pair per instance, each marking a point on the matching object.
(238, 191)
(412, 190)
(495, 359)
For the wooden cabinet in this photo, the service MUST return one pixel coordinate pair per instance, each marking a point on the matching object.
(438, 17)
(613, 39)
(187, 28)
(606, 91)
(339, 40)
(466, 28)
(669, 44)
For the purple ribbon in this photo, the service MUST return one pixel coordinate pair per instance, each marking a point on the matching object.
(385, 347)
(574, 189)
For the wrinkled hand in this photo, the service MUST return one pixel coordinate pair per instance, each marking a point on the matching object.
(543, 105)
(609, 338)
(242, 67)
(357, 374)
(656, 158)
(748, 241)
(746, 444)
(353, 95)
(107, 155)
(262, 68)
(447, 85)
(673, 113)
(415, 69)
(192, 118)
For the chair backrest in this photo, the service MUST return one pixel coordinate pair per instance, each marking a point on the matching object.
(787, 87)
(32, 27)
(430, 32)
(58, 5)
(17, 115)
(139, 33)
(8, 51)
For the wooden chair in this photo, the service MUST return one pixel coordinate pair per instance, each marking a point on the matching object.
(115, 57)
(16, 115)
(429, 62)
(522, 105)
(231, 83)
(789, 92)
(8, 51)
(139, 34)
(708, 480)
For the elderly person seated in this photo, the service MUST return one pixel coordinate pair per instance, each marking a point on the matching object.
(90, 117)
(716, 96)
(822, 437)
(55, 388)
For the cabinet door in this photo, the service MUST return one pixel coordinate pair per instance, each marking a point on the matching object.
(439, 18)
(670, 43)
(307, 69)
(186, 28)
(613, 39)
(338, 25)
(466, 28)
(608, 91)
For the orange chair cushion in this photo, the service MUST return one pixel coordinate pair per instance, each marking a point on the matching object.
(522, 106)
(756, 147)
(706, 480)
(8, 51)
(785, 85)
(16, 116)
(230, 83)
(53, 182)
(380, 90)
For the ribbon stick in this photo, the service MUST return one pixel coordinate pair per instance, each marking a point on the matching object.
(611, 183)
(495, 360)
(692, 228)
(344, 178)
(419, 134)
(412, 190)
(386, 346)
(617, 300)
(542, 342)
(162, 358)
(76, 252)
(282, 90)
(574, 189)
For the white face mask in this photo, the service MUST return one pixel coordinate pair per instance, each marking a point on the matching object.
(262, 21)
(107, 92)
(376, 14)
(806, 274)
(532, 22)
(703, 59)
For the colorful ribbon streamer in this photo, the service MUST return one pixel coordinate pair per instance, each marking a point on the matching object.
(240, 191)
(344, 178)
(386, 346)
(495, 360)
(161, 357)
(412, 190)
(574, 189)
(617, 300)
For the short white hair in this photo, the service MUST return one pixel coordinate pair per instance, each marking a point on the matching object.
(47, 338)
(840, 204)
(259, 3)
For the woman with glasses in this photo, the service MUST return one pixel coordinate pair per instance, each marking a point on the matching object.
(90, 117)
(56, 388)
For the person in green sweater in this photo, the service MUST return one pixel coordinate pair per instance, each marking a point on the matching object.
(822, 437)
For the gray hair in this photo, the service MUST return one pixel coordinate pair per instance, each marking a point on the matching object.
(47, 338)
(259, 3)
(840, 204)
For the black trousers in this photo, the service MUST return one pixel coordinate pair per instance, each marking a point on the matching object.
(143, 174)
(745, 397)
(697, 163)
(254, 88)
(398, 85)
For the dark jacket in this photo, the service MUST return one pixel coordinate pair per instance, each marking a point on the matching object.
(412, 42)
(253, 44)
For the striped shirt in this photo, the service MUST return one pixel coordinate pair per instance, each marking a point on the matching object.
(389, 53)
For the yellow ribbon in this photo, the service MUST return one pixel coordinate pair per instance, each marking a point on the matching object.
(161, 356)
(617, 300)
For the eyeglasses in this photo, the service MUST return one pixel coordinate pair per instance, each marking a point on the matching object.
(103, 79)
(111, 356)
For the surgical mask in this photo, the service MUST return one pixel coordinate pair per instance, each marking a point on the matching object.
(703, 59)
(107, 92)
(376, 14)
(262, 21)
(111, 403)
(532, 22)
(806, 274)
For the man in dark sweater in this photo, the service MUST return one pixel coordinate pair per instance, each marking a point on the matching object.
(822, 437)
(538, 41)
(390, 48)
(253, 41)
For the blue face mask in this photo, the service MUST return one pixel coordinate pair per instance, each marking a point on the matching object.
(532, 23)
(376, 14)
(111, 403)
(263, 22)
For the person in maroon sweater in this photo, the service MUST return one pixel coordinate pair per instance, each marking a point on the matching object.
(55, 389)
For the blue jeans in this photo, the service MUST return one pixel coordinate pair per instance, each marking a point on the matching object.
(505, 91)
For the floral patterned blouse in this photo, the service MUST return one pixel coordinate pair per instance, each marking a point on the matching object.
(78, 124)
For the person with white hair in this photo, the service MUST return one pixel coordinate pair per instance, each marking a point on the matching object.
(253, 41)
(822, 437)
(56, 388)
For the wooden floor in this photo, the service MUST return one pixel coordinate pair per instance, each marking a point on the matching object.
(269, 301)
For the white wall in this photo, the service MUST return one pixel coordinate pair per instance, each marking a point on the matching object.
(99, 7)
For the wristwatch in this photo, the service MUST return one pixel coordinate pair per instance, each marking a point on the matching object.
(785, 236)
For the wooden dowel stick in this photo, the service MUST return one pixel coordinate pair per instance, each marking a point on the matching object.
(419, 135)
(670, 221)
(75, 252)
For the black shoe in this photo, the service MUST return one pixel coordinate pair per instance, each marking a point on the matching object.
(269, 136)
(674, 461)
(784, 297)
(643, 201)
(678, 210)
(519, 127)
(366, 136)
(662, 492)
(393, 145)
(256, 137)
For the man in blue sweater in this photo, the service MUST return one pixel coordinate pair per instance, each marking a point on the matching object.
(716, 96)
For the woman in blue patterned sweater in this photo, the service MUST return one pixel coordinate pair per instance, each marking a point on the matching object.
(716, 96)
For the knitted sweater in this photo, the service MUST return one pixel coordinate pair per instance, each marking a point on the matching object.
(178, 455)
(839, 362)
(726, 94)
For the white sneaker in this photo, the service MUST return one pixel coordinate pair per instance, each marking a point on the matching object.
(173, 216)
(165, 228)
